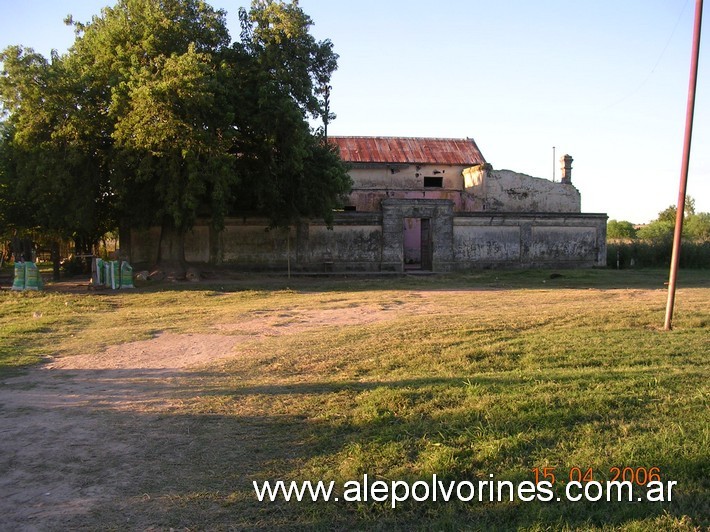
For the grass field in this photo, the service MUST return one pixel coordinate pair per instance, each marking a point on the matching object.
(462, 376)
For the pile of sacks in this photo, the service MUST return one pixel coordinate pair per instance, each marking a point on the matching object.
(27, 277)
(112, 274)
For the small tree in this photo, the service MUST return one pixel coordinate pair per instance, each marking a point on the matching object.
(620, 230)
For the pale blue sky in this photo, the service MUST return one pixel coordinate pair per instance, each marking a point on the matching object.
(605, 81)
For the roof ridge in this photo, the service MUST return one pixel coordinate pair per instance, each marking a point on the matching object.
(396, 137)
(424, 150)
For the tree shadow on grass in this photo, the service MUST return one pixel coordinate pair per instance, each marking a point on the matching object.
(115, 449)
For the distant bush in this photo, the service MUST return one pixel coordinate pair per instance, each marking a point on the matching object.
(620, 229)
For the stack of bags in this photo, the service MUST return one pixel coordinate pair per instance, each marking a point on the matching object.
(27, 277)
(112, 274)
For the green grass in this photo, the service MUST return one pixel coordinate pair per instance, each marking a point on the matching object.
(504, 372)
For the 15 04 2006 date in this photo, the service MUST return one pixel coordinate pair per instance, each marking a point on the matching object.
(640, 476)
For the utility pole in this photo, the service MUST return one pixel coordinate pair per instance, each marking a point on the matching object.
(680, 209)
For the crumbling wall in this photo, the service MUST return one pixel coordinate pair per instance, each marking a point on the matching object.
(508, 191)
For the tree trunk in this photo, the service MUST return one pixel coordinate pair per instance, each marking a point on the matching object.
(55, 261)
(216, 248)
(171, 251)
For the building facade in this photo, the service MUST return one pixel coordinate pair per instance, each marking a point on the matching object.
(416, 204)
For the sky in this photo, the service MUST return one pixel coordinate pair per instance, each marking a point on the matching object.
(605, 81)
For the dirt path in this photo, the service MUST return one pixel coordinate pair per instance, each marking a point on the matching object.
(78, 434)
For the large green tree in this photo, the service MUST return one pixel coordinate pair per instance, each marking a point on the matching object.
(156, 72)
(155, 117)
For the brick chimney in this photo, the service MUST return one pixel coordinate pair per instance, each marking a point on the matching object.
(566, 166)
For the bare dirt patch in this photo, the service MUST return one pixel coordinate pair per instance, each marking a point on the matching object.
(292, 321)
(79, 434)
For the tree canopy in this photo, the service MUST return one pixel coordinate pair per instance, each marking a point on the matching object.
(696, 226)
(154, 117)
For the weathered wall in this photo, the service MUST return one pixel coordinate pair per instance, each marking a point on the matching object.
(404, 176)
(250, 244)
(244, 243)
(374, 183)
(371, 242)
(529, 240)
(456, 218)
(197, 244)
(354, 243)
(474, 189)
(508, 191)
(144, 246)
(371, 199)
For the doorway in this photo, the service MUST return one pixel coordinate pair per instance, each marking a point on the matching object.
(418, 252)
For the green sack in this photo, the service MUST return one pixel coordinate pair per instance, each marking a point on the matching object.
(18, 282)
(112, 274)
(99, 274)
(116, 275)
(126, 275)
(107, 273)
(33, 279)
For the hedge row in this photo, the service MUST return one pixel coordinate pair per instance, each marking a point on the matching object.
(650, 254)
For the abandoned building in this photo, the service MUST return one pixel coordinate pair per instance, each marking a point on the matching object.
(416, 203)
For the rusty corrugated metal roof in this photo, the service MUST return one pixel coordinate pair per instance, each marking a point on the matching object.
(408, 150)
